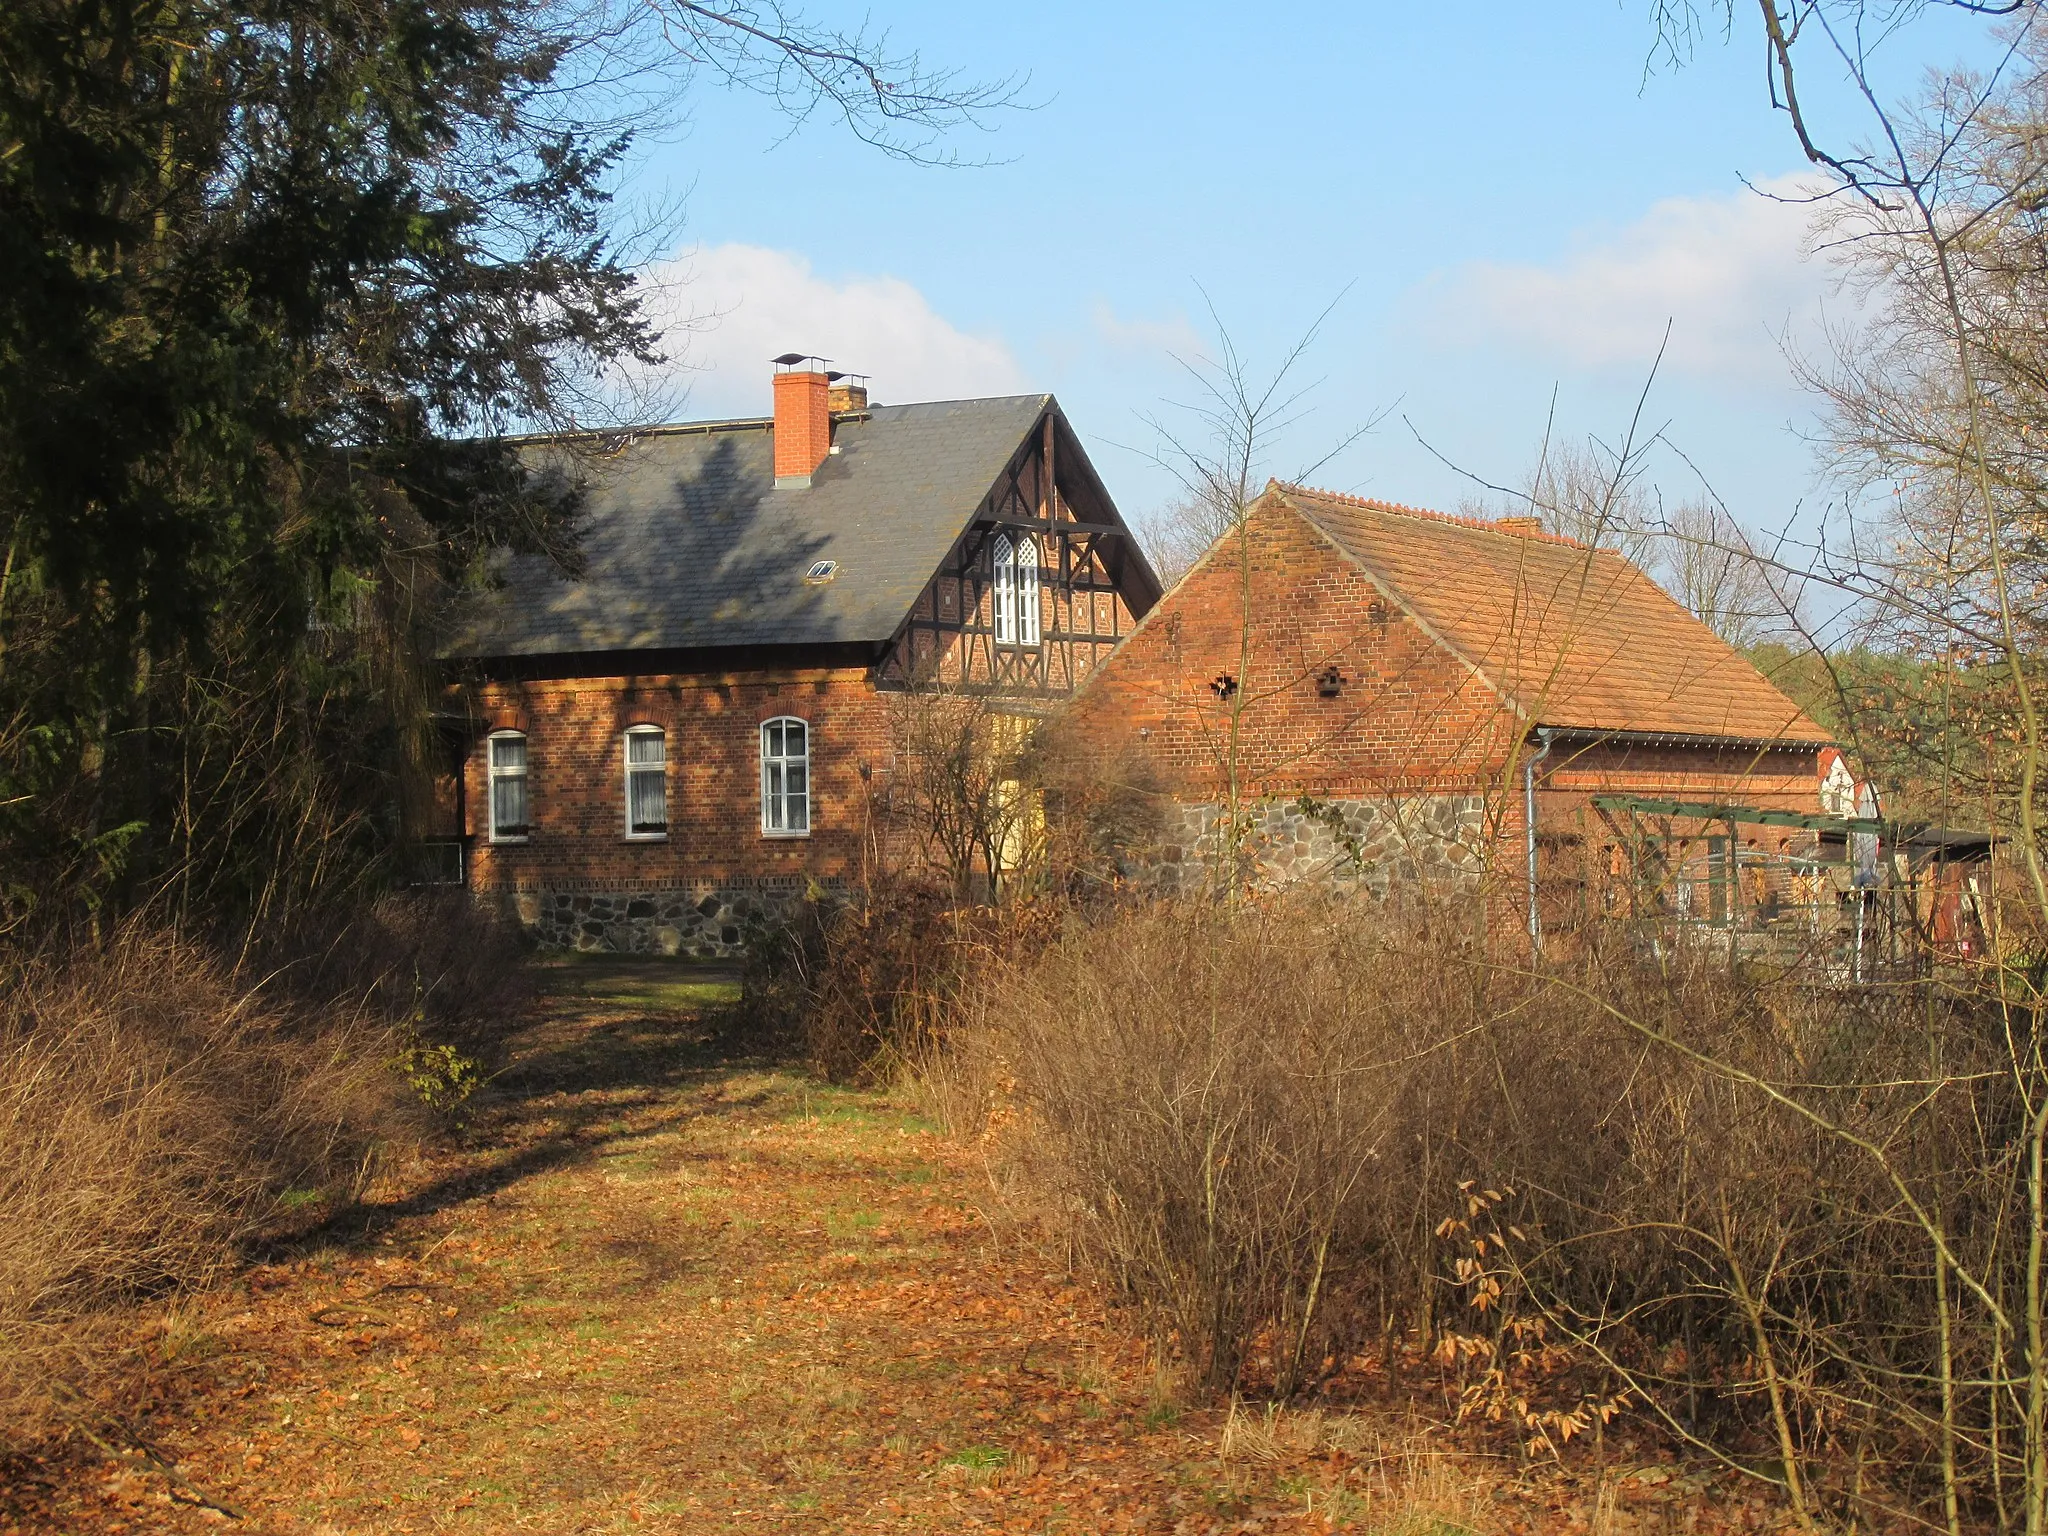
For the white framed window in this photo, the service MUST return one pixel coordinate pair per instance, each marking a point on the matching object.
(508, 801)
(646, 782)
(1005, 590)
(785, 777)
(1016, 590)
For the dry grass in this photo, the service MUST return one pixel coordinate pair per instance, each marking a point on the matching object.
(432, 957)
(158, 1107)
(871, 987)
(688, 1294)
(1312, 1148)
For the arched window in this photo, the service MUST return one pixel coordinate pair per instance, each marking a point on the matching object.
(1016, 591)
(507, 763)
(646, 781)
(785, 777)
(1006, 591)
(1027, 591)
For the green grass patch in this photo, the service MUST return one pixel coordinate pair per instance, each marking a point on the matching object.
(978, 1458)
(641, 982)
(841, 1225)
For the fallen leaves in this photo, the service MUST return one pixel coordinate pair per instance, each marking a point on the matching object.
(660, 1291)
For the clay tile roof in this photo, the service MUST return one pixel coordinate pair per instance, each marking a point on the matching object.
(1576, 637)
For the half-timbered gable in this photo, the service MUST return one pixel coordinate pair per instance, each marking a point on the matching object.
(1039, 587)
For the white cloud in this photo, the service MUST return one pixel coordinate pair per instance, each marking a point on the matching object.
(1173, 335)
(1731, 274)
(727, 309)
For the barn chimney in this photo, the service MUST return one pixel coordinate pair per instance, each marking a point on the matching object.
(803, 419)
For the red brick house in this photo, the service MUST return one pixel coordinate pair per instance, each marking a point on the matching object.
(1423, 680)
(696, 728)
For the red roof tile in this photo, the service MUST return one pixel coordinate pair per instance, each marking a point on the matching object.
(1574, 636)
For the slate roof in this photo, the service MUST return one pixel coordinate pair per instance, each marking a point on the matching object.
(687, 543)
(1575, 637)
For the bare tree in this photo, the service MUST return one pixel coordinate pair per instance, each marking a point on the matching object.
(1706, 560)
(1179, 533)
(959, 793)
(1698, 552)
(1587, 492)
(1219, 448)
(1939, 207)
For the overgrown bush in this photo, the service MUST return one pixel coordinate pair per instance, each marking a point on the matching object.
(868, 987)
(1298, 1139)
(437, 960)
(163, 1100)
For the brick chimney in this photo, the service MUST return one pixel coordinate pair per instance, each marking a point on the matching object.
(848, 397)
(1524, 525)
(803, 426)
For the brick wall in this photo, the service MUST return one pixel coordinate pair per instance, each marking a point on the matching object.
(803, 423)
(1406, 717)
(582, 882)
(1408, 728)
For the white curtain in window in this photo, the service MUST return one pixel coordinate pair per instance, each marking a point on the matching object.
(646, 783)
(785, 776)
(508, 786)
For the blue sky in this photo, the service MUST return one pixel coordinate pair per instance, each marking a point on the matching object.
(1509, 203)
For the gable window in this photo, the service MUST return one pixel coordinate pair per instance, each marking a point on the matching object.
(1016, 590)
(646, 782)
(508, 786)
(785, 777)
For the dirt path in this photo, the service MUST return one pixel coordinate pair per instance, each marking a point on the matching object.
(663, 1289)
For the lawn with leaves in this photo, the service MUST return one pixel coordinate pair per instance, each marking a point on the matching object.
(660, 1284)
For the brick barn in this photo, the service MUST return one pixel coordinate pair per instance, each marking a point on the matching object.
(696, 728)
(1389, 689)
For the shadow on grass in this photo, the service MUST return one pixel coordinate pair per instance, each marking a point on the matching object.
(607, 1058)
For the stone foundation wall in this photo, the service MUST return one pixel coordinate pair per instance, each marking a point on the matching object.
(1377, 845)
(700, 922)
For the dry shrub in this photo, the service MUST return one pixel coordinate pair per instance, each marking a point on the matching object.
(868, 988)
(1218, 1106)
(159, 1106)
(1300, 1135)
(434, 958)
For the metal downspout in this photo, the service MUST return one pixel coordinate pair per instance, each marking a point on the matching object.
(1529, 833)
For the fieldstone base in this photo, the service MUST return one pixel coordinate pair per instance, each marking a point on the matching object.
(1375, 846)
(705, 923)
